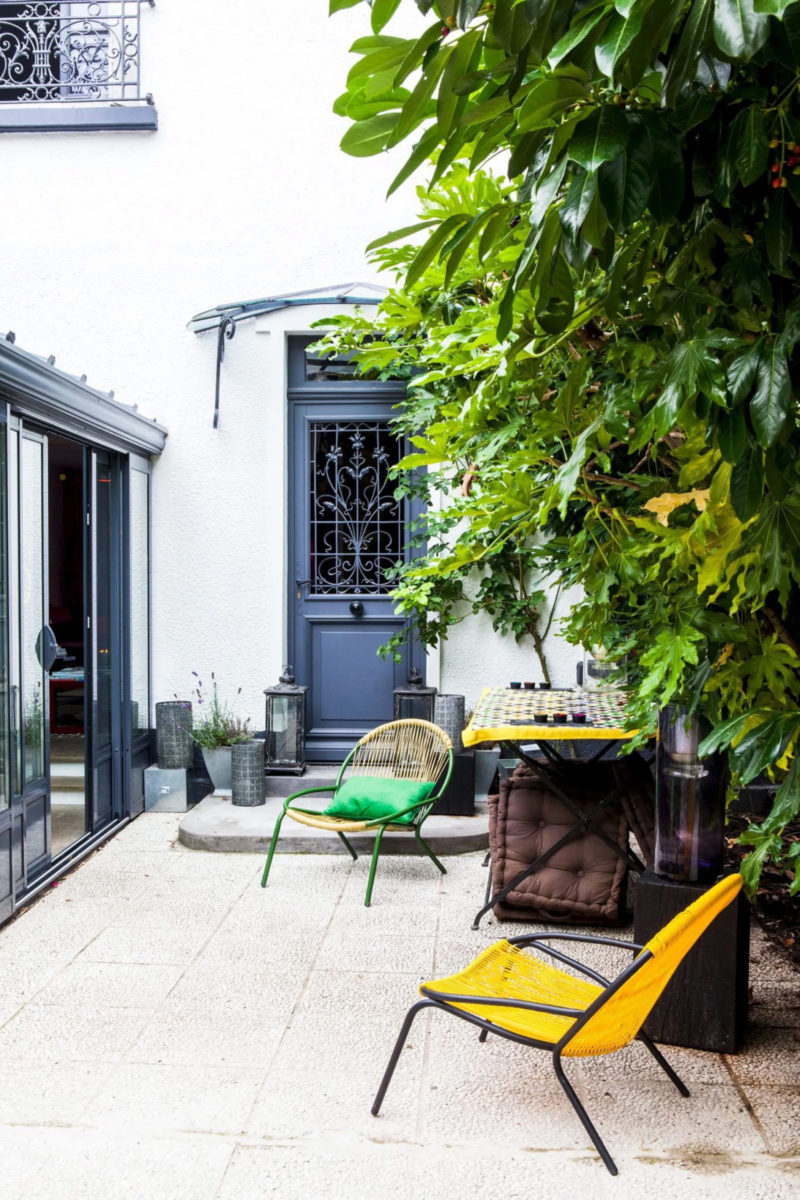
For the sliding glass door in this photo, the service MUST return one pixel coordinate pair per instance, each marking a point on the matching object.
(61, 764)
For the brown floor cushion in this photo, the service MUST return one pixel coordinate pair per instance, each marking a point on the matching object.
(582, 883)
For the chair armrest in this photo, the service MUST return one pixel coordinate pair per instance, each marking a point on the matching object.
(539, 938)
(503, 1002)
(575, 937)
(306, 792)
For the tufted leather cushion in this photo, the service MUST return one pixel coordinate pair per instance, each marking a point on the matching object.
(584, 882)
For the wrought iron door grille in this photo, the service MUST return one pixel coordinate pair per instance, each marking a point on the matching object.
(356, 532)
(75, 51)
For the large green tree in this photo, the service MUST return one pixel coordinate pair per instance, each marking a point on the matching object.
(604, 340)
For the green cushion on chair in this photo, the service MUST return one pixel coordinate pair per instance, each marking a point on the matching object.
(366, 798)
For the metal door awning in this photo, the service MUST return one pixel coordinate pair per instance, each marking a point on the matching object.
(225, 317)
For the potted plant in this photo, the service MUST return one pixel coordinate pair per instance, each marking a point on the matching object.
(216, 729)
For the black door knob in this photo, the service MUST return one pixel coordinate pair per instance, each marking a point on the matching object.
(356, 608)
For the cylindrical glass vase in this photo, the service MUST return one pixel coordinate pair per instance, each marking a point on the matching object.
(448, 714)
(247, 774)
(690, 801)
(174, 745)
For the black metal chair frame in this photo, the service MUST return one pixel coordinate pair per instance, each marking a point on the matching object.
(445, 1002)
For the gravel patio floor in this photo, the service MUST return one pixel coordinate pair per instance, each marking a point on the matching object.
(169, 1029)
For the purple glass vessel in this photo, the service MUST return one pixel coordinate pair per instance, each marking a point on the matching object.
(690, 800)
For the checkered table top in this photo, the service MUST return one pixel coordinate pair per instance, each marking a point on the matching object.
(510, 714)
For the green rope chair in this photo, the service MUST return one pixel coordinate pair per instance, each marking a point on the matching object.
(386, 782)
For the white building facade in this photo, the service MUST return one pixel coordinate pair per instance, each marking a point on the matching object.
(208, 173)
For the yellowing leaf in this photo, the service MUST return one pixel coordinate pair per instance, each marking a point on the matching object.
(667, 502)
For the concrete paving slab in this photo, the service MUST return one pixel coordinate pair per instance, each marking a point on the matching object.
(216, 824)
(146, 1098)
(776, 1108)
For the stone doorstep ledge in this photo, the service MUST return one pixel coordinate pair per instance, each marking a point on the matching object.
(216, 824)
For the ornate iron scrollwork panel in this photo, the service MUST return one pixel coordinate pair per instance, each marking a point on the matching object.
(356, 532)
(69, 51)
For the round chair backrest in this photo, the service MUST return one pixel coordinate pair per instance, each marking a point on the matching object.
(409, 749)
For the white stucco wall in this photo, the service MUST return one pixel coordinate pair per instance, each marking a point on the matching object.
(113, 241)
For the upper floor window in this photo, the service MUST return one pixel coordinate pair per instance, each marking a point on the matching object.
(72, 64)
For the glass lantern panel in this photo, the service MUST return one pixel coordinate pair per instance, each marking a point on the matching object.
(283, 729)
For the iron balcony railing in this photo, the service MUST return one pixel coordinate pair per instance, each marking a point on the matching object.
(75, 52)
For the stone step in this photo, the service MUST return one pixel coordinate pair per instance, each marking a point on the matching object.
(216, 824)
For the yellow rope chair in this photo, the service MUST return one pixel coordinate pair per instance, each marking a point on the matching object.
(412, 751)
(511, 993)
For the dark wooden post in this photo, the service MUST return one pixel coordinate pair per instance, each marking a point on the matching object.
(704, 1006)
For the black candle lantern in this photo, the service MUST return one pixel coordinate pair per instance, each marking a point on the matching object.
(286, 726)
(415, 699)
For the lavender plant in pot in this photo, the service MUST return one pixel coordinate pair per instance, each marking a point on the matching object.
(216, 728)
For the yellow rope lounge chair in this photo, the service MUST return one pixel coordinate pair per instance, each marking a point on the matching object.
(519, 996)
(386, 782)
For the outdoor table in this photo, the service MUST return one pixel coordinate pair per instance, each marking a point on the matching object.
(508, 716)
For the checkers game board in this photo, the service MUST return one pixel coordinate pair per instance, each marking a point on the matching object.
(509, 714)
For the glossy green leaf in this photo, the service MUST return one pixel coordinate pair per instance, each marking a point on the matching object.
(450, 105)
(576, 34)
(617, 38)
(747, 484)
(779, 234)
(739, 30)
(547, 99)
(420, 154)
(741, 374)
(732, 434)
(626, 182)
(427, 253)
(555, 303)
(365, 138)
(600, 138)
(415, 108)
(576, 204)
(337, 5)
(683, 62)
(772, 398)
(382, 13)
(750, 142)
(416, 52)
(398, 235)
(775, 8)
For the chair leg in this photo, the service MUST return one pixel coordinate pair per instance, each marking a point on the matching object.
(599, 1144)
(376, 849)
(353, 854)
(662, 1062)
(427, 850)
(398, 1047)
(483, 1035)
(272, 846)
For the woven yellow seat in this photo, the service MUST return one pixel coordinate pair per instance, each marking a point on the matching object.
(410, 751)
(517, 995)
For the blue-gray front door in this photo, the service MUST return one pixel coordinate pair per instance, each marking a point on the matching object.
(346, 530)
